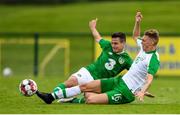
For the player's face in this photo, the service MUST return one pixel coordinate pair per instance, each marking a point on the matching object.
(147, 43)
(117, 45)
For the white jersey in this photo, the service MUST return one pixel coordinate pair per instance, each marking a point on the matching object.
(145, 62)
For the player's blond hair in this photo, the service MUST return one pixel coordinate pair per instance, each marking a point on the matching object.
(153, 34)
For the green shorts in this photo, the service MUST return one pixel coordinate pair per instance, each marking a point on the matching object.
(116, 90)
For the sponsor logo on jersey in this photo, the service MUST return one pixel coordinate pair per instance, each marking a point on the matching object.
(110, 53)
(121, 60)
(110, 64)
(138, 59)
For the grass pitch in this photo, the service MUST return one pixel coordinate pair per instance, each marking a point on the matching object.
(166, 90)
(113, 16)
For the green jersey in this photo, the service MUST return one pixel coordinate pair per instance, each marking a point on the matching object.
(109, 64)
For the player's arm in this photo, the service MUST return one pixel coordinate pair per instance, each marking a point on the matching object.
(140, 95)
(136, 30)
(95, 33)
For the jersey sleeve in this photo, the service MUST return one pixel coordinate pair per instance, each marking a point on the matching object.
(139, 42)
(104, 43)
(153, 65)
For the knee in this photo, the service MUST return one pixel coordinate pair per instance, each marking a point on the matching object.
(86, 94)
(72, 81)
(90, 100)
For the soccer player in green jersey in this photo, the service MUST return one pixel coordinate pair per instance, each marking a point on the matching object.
(136, 81)
(112, 60)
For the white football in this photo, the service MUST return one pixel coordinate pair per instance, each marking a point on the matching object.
(7, 72)
(28, 87)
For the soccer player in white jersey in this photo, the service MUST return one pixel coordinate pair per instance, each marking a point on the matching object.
(137, 80)
(134, 83)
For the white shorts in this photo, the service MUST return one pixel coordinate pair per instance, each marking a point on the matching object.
(83, 76)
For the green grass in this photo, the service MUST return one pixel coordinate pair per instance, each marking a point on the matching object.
(113, 16)
(74, 18)
(166, 90)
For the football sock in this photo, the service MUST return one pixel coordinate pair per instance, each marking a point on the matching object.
(68, 92)
(60, 86)
(73, 91)
(57, 94)
(78, 100)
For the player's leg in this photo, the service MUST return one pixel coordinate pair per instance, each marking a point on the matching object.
(78, 78)
(104, 85)
(94, 98)
(61, 93)
(83, 76)
(96, 86)
(87, 94)
(93, 86)
(46, 97)
(72, 81)
(111, 97)
(79, 99)
(148, 94)
(64, 93)
(116, 92)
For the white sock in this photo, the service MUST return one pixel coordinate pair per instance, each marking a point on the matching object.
(53, 95)
(73, 91)
(58, 94)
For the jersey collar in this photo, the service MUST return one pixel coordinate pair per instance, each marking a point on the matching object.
(151, 52)
(120, 52)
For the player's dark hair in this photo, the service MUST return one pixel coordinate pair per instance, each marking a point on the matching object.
(120, 35)
(153, 34)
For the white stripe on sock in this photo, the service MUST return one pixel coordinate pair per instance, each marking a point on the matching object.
(59, 94)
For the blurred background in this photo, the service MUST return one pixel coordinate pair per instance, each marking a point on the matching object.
(48, 40)
(52, 37)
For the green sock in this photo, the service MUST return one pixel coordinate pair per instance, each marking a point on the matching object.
(78, 100)
(60, 86)
(59, 93)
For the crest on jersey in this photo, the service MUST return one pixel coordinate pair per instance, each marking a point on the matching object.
(79, 75)
(121, 60)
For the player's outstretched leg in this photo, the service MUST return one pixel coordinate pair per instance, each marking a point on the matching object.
(58, 94)
(46, 97)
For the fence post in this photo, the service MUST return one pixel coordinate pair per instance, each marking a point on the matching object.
(36, 44)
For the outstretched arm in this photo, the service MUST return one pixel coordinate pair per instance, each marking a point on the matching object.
(140, 95)
(137, 31)
(95, 33)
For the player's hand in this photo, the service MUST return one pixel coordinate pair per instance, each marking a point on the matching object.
(92, 23)
(149, 95)
(140, 95)
(138, 16)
